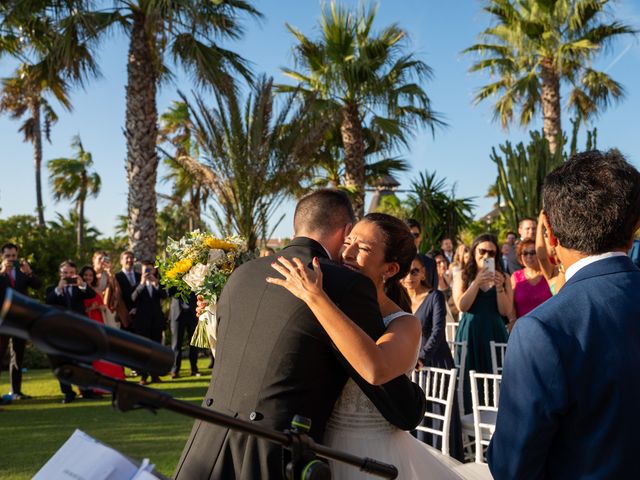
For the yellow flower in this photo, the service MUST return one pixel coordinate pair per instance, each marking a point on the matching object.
(181, 267)
(215, 243)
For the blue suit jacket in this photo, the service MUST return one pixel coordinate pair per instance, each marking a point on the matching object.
(570, 396)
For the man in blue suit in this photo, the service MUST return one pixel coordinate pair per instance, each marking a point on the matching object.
(570, 395)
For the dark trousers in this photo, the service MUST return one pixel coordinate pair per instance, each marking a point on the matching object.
(17, 357)
(148, 328)
(179, 326)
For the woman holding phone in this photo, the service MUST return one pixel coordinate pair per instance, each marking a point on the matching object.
(483, 294)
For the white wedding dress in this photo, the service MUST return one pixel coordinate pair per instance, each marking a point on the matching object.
(357, 427)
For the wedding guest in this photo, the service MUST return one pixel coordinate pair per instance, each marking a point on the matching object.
(506, 251)
(95, 309)
(526, 229)
(148, 321)
(183, 320)
(267, 251)
(16, 274)
(444, 285)
(416, 231)
(550, 266)
(70, 293)
(127, 280)
(446, 247)
(460, 259)
(569, 394)
(428, 304)
(484, 296)
(107, 286)
(530, 288)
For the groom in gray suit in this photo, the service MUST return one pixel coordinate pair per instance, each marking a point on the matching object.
(274, 360)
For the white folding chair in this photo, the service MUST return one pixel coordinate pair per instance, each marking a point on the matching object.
(485, 394)
(450, 331)
(498, 351)
(439, 386)
(459, 353)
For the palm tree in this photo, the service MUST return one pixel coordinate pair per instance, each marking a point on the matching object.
(253, 156)
(176, 129)
(185, 32)
(437, 208)
(536, 47)
(54, 50)
(357, 78)
(72, 179)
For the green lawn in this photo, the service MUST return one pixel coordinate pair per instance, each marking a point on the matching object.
(32, 430)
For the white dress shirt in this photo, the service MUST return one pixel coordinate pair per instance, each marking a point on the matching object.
(583, 262)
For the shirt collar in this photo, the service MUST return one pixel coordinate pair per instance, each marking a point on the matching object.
(583, 262)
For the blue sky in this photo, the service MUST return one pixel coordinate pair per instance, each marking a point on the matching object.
(438, 30)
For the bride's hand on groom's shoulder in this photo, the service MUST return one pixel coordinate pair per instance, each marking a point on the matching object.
(300, 280)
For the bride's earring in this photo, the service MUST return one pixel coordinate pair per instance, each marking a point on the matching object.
(384, 280)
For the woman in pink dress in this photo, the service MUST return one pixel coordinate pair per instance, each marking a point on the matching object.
(530, 288)
(94, 308)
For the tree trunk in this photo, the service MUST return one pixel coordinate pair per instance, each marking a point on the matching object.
(80, 228)
(37, 158)
(353, 142)
(141, 132)
(551, 103)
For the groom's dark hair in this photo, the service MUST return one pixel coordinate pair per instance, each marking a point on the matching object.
(323, 211)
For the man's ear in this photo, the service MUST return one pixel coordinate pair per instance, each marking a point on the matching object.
(553, 241)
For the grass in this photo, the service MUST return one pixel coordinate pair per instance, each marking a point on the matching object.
(32, 430)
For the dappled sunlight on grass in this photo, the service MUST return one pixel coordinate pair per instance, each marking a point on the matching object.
(32, 430)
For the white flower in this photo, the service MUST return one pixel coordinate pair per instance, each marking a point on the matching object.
(215, 255)
(195, 277)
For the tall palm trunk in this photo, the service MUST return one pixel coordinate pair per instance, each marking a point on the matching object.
(37, 156)
(550, 103)
(353, 142)
(141, 131)
(80, 227)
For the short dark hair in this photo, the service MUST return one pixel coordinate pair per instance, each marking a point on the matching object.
(8, 246)
(593, 202)
(148, 262)
(68, 263)
(511, 233)
(323, 211)
(126, 252)
(413, 223)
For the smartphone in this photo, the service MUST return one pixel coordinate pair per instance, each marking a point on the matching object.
(71, 280)
(490, 264)
(147, 270)
(106, 259)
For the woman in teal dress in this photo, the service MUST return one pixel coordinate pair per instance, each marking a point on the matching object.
(483, 294)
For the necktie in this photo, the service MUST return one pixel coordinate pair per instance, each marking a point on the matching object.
(12, 278)
(132, 277)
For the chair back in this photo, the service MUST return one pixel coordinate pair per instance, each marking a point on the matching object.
(450, 331)
(439, 386)
(459, 353)
(498, 351)
(485, 394)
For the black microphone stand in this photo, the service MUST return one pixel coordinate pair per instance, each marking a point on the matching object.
(128, 396)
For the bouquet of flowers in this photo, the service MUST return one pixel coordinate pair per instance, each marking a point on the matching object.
(201, 263)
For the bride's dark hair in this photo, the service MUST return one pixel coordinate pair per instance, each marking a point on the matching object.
(399, 247)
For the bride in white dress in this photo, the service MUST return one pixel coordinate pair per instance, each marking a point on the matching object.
(381, 247)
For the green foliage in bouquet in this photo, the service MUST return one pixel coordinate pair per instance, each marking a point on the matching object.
(200, 263)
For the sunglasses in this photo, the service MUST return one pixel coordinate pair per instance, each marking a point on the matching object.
(490, 253)
(414, 272)
(529, 253)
